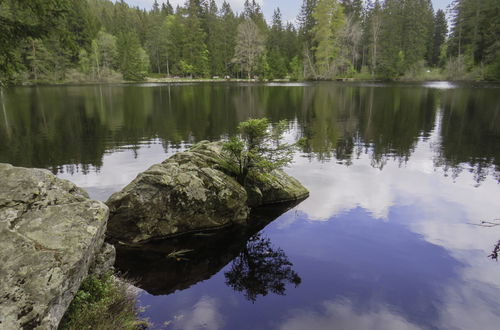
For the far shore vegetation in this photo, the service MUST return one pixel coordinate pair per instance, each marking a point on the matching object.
(78, 41)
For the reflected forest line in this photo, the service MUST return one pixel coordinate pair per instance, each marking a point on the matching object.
(71, 128)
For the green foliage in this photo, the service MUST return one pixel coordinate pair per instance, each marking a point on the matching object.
(185, 68)
(102, 303)
(93, 40)
(406, 34)
(21, 20)
(329, 16)
(440, 32)
(474, 34)
(258, 148)
(296, 69)
(133, 59)
(458, 68)
(493, 70)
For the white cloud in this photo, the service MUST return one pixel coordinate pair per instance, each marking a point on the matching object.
(203, 315)
(470, 306)
(340, 315)
(446, 206)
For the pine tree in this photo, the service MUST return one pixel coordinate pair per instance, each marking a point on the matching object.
(213, 27)
(276, 48)
(229, 26)
(307, 23)
(195, 52)
(253, 11)
(330, 19)
(133, 60)
(440, 32)
(154, 37)
(406, 36)
(167, 9)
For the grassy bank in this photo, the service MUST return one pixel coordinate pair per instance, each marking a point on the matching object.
(103, 302)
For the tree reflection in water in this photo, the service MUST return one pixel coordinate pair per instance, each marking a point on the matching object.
(253, 265)
(260, 269)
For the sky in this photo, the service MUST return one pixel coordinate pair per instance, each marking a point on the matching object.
(289, 8)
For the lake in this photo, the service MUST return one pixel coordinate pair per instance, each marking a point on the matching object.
(400, 176)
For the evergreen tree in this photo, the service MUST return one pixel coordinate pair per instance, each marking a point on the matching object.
(290, 43)
(307, 22)
(253, 11)
(330, 19)
(133, 60)
(406, 35)
(229, 26)
(275, 48)
(154, 37)
(195, 51)
(213, 26)
(440, 32)
(474, 34)
(38, 59)
(167, 9)
(59, 40)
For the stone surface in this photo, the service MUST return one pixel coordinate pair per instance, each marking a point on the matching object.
(50, 233)
(184, 193)
(274, 188)
(104, 260)
(191, 192)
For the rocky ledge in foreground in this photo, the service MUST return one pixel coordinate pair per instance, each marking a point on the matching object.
(51, 235)
(191, 192)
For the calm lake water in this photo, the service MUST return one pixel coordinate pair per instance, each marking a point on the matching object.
(399, 175)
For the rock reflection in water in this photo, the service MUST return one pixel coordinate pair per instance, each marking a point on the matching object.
(163, 267)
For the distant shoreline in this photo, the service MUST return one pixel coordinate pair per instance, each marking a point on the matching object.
(237, 80)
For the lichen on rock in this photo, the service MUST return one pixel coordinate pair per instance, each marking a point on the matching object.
(51, 233)
(191, 191)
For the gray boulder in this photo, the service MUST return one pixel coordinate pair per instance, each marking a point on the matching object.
(185, 193)
(273, 188)
(191, 192)
(51, 233)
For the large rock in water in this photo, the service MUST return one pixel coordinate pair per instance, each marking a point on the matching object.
(50, 234)
(184, 193)
(190, 192)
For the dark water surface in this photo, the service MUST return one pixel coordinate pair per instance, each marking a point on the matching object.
(398, 173)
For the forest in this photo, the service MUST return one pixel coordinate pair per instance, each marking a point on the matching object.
(57, 41)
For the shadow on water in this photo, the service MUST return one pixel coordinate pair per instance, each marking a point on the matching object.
(258, 268)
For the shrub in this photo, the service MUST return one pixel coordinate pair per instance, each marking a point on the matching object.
(259, 147)
(105, 303)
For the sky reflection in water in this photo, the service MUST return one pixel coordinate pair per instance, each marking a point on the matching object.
(375, 249)
(398, 174)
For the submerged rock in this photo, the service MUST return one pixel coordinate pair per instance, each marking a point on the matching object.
(50, 235)
(191, 192)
